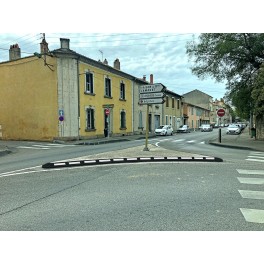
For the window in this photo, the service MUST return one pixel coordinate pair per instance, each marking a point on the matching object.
(107, 87)
(123, 119)
(89, 83)
(122, 91)
(90, 119)
(167, 101)
(178, 104)
(172, 102)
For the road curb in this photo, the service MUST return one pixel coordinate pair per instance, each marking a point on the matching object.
(54, 165)
(231, 146)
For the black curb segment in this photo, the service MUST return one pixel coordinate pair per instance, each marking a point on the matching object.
(231, 146)
(53, 165)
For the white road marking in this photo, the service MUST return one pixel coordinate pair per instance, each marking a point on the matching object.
(190, 141)
(25, 147)
(256, 153)
(255, 160)
(261, 157)
(251, 180)
(253, 215)
(252, 194)
(45, 146)
(178, 140)
(255, 172)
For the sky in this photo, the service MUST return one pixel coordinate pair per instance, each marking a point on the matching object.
(161, 54)
(149, 38)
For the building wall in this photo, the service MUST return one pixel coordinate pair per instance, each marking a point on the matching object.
(67, 69)
(172, 113)
(28, 99)
(99, 102)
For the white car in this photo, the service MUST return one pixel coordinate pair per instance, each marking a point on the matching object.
(164, 130)
(184, 129)
(206, 127)
(233, 129)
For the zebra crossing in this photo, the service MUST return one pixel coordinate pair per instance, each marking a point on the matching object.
(179, 140)
(255, 178)
(45, 146)
(256, 156)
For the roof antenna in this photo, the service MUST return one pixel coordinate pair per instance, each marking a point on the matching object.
(102, 55)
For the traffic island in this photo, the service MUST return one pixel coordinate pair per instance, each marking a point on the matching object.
(74, 163)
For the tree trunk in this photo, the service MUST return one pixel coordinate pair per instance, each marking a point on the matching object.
(260, 127)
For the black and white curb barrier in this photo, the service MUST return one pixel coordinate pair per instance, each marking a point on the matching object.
(53, 165)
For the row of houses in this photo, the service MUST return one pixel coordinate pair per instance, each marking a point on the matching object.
(62, 94)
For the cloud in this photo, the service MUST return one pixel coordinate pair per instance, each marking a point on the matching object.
(160, 54)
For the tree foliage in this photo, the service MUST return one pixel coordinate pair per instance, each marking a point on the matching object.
(258, 93)
(234, 58)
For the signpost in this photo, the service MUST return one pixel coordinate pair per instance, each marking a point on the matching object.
(220, 113)
(151, 94)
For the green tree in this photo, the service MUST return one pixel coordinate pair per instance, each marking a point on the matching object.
(258, 93)
(234, 58)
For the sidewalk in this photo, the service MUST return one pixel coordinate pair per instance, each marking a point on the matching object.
(241, 141)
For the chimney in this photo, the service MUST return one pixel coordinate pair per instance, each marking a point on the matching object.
(44, 47)
(14, 52)
(105, 62)
(117, 64)
(151, 78)
(144, 78)
(65, 43)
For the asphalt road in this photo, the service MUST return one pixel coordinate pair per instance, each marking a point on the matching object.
(157, 196)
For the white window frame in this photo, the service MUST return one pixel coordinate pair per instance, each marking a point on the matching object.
(89, 118)
(89, 86)
(108, 90)
(122, 90)
(123, 119)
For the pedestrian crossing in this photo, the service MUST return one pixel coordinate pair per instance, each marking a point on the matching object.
(256, 156)
(252, 215)
(45, 146)
(179, 140)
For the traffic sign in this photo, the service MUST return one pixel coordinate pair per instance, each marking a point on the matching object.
(151, 88)
(221, 112)
(107, 111)
(151, 95)
(152, 101)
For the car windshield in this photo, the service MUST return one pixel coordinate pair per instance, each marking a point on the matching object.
(160, 127)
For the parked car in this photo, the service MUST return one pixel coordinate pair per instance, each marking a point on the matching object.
(206, 127)
(233, 129)
(164, 130)
(183, 129)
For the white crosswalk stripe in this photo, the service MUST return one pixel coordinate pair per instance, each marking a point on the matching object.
(44, 146)
(256, 156)
(252, 215)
